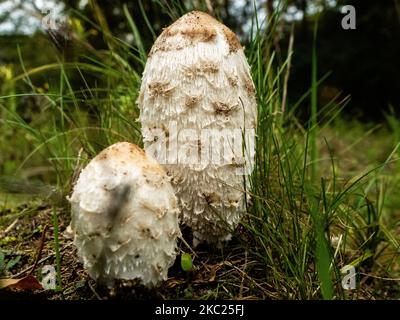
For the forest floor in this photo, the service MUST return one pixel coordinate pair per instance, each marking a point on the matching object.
(223, 273)
(27, 244)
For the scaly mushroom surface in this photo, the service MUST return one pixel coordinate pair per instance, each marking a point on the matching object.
(198, 116)
(125, 217)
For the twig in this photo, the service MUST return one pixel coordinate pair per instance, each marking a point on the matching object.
(93, 290)
(39, 250)
(10, 227)
(380, 278)
(41, 261)
(189, 247)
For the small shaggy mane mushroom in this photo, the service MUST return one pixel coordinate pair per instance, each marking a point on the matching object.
(125, 217)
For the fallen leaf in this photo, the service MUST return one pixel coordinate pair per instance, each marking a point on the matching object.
(173, 282)
(22, 284)
(213, 272)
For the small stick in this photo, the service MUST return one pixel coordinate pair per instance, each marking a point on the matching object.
(10, 227)
(40, 249)
(41, 261)
(93, 290)
(187, 245)
(380, 278)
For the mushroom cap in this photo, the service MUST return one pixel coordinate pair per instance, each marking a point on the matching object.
(125, 217)
(191, 29)
(197, 79)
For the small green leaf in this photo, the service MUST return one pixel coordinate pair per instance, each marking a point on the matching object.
(186, 262)
(11, 263)
(7, 240)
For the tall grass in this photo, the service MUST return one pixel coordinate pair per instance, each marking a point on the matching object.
(304, 222)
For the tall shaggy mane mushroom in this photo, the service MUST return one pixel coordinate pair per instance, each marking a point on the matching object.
(198, 113)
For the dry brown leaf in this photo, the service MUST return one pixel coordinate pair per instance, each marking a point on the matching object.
(173, 282)
(23, 284)
(213, 273)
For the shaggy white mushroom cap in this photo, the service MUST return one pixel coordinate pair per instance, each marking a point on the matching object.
(125, 217)
(196, 79)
